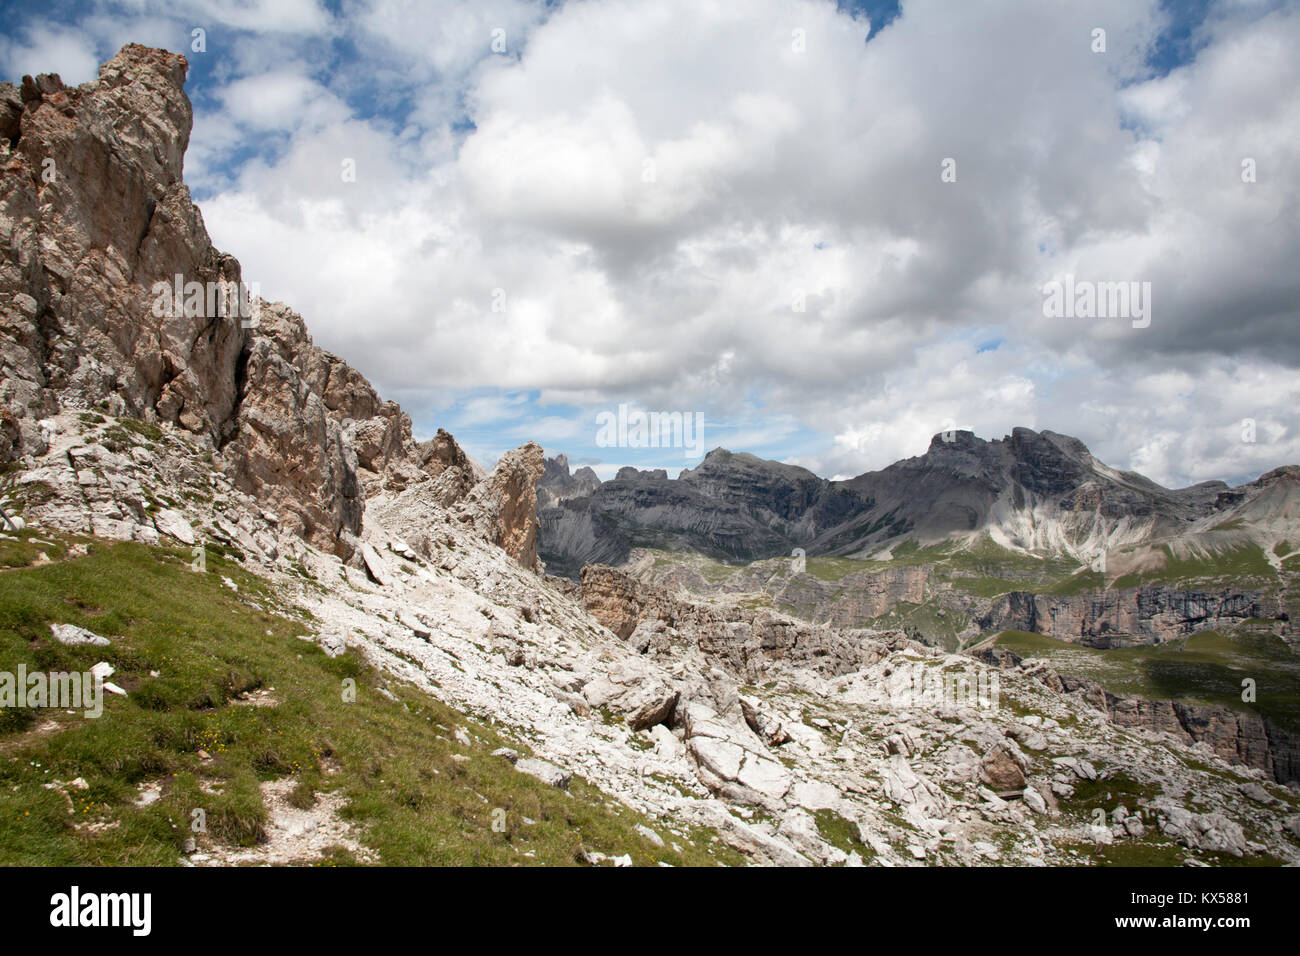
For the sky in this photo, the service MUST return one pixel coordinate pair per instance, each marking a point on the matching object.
(825, 231)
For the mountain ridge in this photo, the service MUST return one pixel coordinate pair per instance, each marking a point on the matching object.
(96, 212)
(1033, 491)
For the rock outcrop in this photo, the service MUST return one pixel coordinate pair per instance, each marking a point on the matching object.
(1124, 617)
(557, 484)
(93, 213)
(313, 438)
(503, 506)
(1237, 736)
(747, 640)
(98, 235)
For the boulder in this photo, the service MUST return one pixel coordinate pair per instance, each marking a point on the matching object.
(333, 643)
(544, 771)
(173, 524)
(376, 566)
(1213, 832)
(1001, 769)
(414, 624)
(635, 690)
(731, 761)
(72, 635)
(907, 788)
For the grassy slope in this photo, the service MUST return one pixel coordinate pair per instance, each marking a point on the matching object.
(411, 800)
(1244, 567)
(1207, 668)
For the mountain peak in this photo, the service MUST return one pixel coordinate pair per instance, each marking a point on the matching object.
(954, 439)
(122, 303)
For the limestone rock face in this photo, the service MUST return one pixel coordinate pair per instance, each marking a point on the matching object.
(95, 222)
(748, 640)
(441, 453)
(311, 436)
(1138, 615)
(503, 506)
(613, 598)
(557, 483)
(288, 450)
(93, 212)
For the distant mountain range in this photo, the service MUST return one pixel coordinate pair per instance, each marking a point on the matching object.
(1040, 492)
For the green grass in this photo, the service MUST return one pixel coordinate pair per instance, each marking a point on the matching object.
(125, 433)
(923, 622)
(837, 569)
(415, 795)
(1077, 583)
(146, 430)
(1241, 567)
(1153, 851)
(986, 569)
(22, 548)
(1207, 667)
(842, 833)
(906, 554)
(980, 567)
(711, 569)
(1107, 794)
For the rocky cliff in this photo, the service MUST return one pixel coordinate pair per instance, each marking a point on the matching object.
(652, 619)
(502, 507)
(557, 484)
(93, 212)
(1127, 616)
(96, 225)
(1236, 736)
